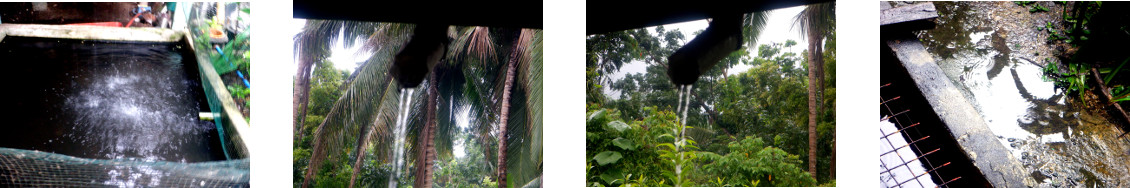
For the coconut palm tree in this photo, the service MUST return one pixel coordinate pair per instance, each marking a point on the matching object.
(365, 111)
(314, 44)
(816, 22)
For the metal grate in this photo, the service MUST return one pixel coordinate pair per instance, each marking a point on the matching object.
(902, 162)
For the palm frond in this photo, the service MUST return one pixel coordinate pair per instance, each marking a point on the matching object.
(819, 17)
(384, 33)
(752, 24)
(359, 106)
(476, 42)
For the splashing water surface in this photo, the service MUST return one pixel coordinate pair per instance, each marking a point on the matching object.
(103, 100)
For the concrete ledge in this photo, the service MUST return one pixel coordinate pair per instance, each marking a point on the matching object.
(90, 32)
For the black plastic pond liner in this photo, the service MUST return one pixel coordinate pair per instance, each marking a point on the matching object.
(101, 113)
(910, 108)
(106, 100)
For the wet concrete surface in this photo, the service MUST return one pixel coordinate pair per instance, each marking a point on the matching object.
(995, 52)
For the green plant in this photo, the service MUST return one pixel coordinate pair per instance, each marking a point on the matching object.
(1120, 93)
(621, 157)
(1038, 8)
(1054, 34)
(233, 55)
(239, 91)
(1073, 80)
(751, 163)
(679, 154)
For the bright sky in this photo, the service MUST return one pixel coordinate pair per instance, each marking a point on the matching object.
(344, 58)
(779, 29)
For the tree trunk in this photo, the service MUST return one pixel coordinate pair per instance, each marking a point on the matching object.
(301, 91)
(361, 143)
(505, 115)
(426, 138)
(315, 160)
(832, 166)
(813, 80)
(301, 88)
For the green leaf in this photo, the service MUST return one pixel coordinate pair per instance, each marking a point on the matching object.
(619, 126)
(595, 116)
(612, 177)
(624, 144)
(607, 157)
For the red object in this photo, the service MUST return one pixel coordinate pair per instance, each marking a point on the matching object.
(106, 24)
(134, 18)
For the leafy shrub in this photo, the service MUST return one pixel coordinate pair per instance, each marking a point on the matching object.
(751, 163)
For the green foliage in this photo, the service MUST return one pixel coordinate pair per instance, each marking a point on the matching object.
(768, 100)
(1038, 8)
(751, 163)
(1074, 78)
(1034, 9)
(1075, 22)
(466, 171)
(239, 91)
(233, 55)
(828, 184)
(325, 87)
(676, 150)
(633, 114)
(624, 143)
(623, 154)
(607, 157)
(1120, 93)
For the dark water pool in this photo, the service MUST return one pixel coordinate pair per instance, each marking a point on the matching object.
(105, 100)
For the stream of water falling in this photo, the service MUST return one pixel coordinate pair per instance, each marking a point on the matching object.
(681, 110)
(401, 121)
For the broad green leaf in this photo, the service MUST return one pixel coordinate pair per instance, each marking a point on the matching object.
(597, 115)
(612, 177)
(619, 126)
(624, 144)
(607, 157)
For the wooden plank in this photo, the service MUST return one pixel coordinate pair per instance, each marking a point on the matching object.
(909, 13)
(970, 130)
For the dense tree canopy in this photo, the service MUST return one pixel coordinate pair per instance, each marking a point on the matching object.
(745, 127)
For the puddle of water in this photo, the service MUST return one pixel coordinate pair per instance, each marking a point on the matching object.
(106, 101)
(1059, 142)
